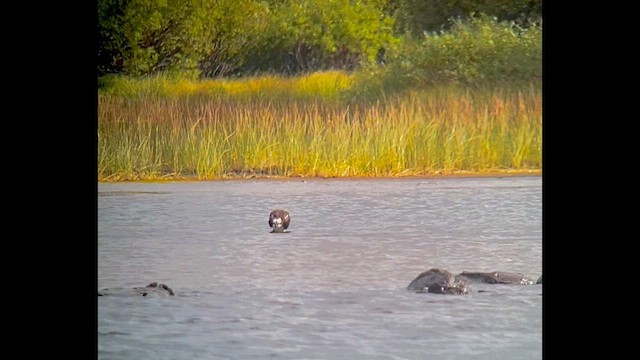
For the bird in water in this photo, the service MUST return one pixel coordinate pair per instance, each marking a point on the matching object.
(279, 220)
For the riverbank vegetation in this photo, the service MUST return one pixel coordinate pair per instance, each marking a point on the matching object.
(331, 102)
(441, 130)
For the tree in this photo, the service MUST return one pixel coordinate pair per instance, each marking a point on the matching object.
(222, 37)
(230, 28)
(310, 35)
(419, 16)
(110, 38)
(142, 37)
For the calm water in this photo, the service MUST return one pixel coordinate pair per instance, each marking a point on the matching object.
(331, 288)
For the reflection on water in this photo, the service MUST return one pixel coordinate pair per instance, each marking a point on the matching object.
(334, 287)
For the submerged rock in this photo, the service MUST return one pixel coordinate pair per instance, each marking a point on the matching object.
(496, 277)
(438, 281)
(154, 288)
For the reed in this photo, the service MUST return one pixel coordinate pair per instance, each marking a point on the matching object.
(326, 85)
(277, 127)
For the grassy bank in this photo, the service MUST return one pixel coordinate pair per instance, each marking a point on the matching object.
(301, 127)
(328, 85)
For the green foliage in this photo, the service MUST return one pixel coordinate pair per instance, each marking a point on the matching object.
(310, 35)
(418, 16)
(111, 39)
(180, 37)
(230, 28)
(214, 38)
(156, 36)
(481, 51)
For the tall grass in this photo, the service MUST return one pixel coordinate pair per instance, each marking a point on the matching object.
(286, 129)
(326, 85)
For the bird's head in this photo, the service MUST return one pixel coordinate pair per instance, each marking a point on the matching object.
(278, 225)
(279, 220)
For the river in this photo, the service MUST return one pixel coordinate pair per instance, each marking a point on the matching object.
(334, 286)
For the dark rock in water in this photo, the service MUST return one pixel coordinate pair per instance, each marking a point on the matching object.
(496, 277)
(154, 288)
(279, 220)
(438, 281)
(160, 287)
(539, 280)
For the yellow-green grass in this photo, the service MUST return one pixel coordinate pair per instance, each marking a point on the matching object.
(326, 85)
(444, 130)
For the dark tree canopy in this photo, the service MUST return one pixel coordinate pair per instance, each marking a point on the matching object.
(211, 38)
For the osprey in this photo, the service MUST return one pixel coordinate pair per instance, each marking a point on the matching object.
(279, 220)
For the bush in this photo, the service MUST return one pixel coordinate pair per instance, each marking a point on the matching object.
(318, 35)
(479, 51)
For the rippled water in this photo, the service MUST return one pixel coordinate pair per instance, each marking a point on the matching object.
(334, 287)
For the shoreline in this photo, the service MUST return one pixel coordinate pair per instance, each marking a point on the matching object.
(436, 175)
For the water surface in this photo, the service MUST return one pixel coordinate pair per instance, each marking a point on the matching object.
(334, 287)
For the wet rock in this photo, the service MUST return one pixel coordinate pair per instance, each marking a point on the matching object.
(496, 277)
(153, 289)
(438, 281)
